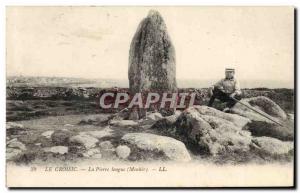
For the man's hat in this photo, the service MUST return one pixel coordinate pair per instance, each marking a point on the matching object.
(229, 69)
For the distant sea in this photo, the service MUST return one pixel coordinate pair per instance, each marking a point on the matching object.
(19, 81)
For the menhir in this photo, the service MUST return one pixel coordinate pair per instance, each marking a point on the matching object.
(152, 65)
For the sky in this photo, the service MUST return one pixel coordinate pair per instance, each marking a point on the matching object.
(93, 42)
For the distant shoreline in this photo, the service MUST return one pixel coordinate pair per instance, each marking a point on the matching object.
(38, 81)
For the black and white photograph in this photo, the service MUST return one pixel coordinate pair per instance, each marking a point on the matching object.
(150, 96)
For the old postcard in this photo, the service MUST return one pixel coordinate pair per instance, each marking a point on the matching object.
(149, 96)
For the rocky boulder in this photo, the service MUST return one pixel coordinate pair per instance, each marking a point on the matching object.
(123, 151)
(107, 150)
(12, 125)
(272, 146)
(147, 146)
(14, 148)
(47, 134)
(61, 137)
(13, 128)
(123, 123)
(93, 153)
(106, 145)
(99, 134)
(263, 105)
(150, 119)
(85, 140)
(14, 143)
(94, 119)
(166, 122)
(154, 116)
(121, 115)
(57, 149)
(213, 135)
(172, 118)
(238, 121)
(261, 126)
(12, 153)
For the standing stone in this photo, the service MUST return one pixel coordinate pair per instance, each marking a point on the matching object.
(152, 57)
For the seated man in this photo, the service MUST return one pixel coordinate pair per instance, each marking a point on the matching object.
(225, 90)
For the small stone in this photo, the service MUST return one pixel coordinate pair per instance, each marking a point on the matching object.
(123, 123)
(272, 146)
(106, 145)
(30, 138)
(177, 113)
(123, 151)
(106, 132)
(121, 115)
(11, 153)
(61, 137)
(160, 147)
(16, 144)
(172, 118)
(47, 134)
(85, 140)
(12, 140)
(154, 116)
(134, 115)
(91, 152)
(291, 116)
(90, 119)
(15, 129)
(69, 125)
(12, 125)
(57, 149)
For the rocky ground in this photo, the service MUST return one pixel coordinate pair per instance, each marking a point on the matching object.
(33, 102)
(55, 125)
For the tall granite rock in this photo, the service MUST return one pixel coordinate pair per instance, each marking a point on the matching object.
(152, 57)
